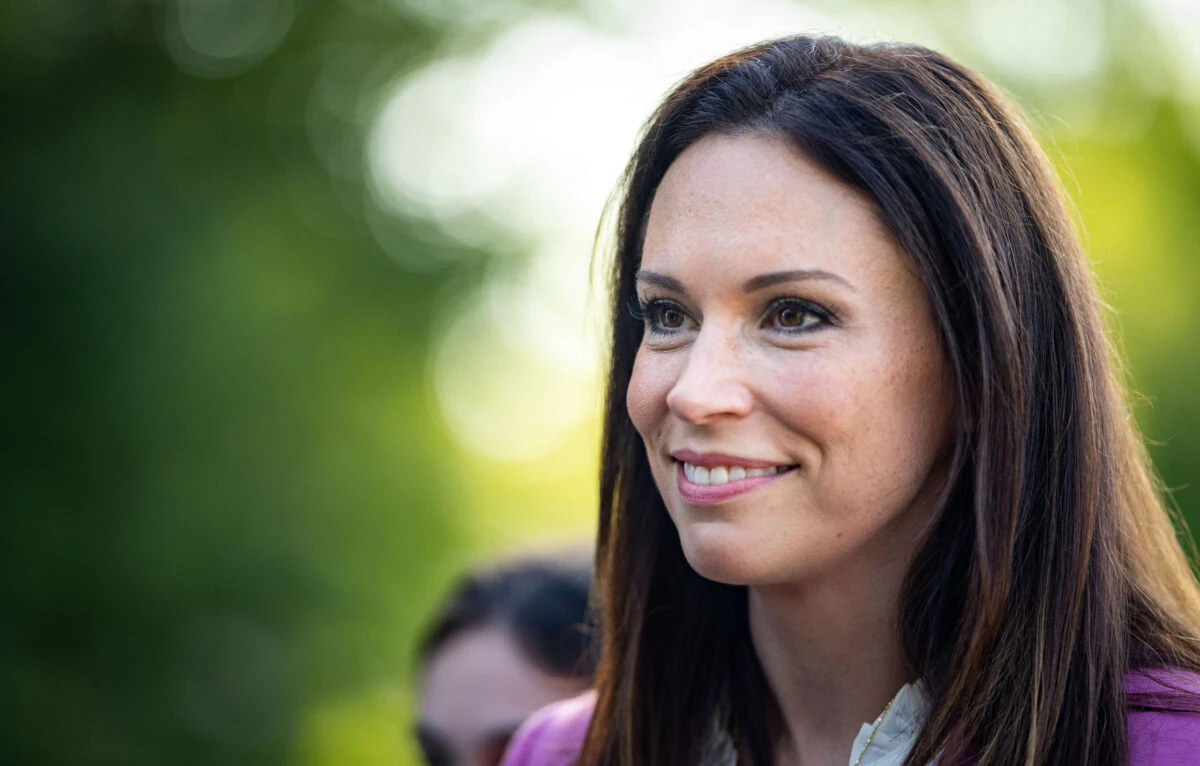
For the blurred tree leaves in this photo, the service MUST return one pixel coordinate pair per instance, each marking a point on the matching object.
(225, 496)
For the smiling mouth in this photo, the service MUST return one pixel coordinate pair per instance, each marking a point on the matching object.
(724, 474)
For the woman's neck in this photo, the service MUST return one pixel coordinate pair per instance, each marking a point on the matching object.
(832, 657)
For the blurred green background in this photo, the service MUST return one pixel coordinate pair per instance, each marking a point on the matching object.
(296, 321)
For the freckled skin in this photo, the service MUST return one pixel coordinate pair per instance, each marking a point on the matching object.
(862, 406)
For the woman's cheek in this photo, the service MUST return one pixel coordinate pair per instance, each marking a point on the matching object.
(638, 395)
(646, 398)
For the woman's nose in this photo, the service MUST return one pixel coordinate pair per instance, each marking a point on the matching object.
(712, 384)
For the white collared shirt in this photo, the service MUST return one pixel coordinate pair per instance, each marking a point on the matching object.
(889, 747)
(897, 732)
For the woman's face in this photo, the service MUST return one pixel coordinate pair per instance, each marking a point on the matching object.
(475, 691)
(791, 388)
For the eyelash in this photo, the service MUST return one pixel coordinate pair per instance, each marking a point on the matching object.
(825, 317)
(648, 312)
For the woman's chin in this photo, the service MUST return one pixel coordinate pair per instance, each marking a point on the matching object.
(718, 552)
(733, 554)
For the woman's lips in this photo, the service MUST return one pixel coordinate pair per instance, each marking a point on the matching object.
(713, 459)
(729, 481)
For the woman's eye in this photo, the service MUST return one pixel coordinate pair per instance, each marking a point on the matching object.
(670, 317)
(793, 315)
(662, 316)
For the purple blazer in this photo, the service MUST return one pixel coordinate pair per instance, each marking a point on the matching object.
(554, 735)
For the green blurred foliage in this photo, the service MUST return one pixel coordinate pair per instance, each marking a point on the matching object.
(228, 503)
(226, 499)
(1138, 203)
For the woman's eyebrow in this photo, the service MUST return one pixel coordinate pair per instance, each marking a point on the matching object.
(753, 283)
(662, 280)
(796, 275)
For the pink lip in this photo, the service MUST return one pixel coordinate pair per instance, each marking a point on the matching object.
(714, 459)
(703, 494)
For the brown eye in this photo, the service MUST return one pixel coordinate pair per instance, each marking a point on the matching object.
(662, 317)
(791, 316)
(796, 316)
(671, 318)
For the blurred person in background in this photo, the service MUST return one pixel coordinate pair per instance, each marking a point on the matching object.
(511, 638)
(870, 491)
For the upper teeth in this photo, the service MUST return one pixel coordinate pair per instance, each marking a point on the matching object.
(723, 474)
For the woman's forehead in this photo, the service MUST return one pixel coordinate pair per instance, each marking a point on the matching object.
(752, 203)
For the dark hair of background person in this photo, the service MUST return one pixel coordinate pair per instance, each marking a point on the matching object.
(541, 602)
(1053, 567)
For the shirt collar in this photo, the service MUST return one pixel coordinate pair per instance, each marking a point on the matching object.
(897, 732)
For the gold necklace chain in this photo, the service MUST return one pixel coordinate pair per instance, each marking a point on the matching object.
(875, 729)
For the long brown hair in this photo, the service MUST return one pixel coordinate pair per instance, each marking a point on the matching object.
(1053, 568)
